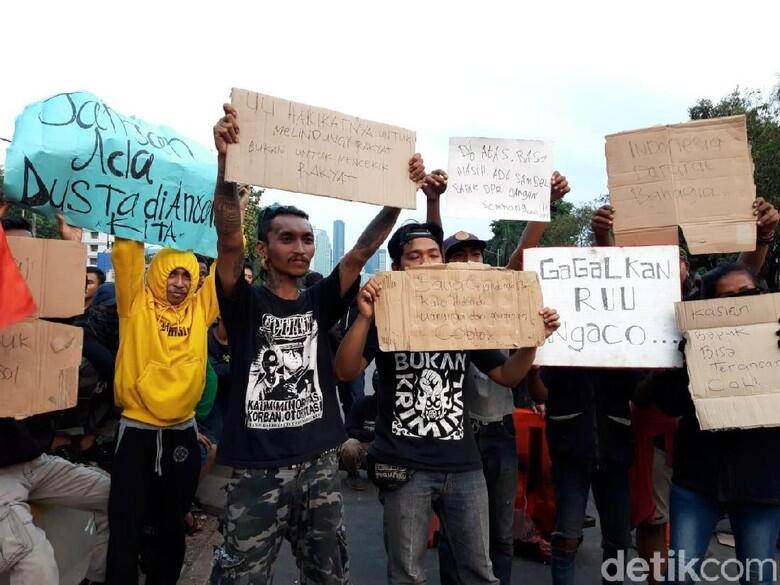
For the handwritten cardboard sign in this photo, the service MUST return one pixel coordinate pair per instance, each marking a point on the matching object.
(616, 305)
(698, 175)
(55, 272)
(112, 173)
(459, 306)
(733, 360)
(39, 367)
(495, 178)
(304, 149)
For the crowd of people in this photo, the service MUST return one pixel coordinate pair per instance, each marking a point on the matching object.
(188, 361)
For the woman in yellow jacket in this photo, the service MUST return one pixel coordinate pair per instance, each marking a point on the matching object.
(160, 373)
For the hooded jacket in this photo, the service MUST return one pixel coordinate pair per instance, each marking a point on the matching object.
(161, 363)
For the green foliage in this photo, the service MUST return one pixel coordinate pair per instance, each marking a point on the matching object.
(570, 226)
(250, 222)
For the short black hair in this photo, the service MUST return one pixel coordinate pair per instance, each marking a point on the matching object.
(410, 231)
(100, 274)
(709, 281)
(16, 223)
(248, 264)
(268, 214)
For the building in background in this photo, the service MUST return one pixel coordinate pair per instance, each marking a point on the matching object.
(382, 267)
(338, 241)
(96, 243)
(323, 255)
(372, 266)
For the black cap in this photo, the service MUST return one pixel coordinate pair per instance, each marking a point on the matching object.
(460, 238)
(411, 231)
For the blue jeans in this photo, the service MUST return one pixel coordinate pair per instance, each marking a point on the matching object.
(756, 527)
(573, 479)
(460, 500)
(499, 465)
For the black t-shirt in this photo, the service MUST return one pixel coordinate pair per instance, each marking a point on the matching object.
(24, 440)
(283, 407)
(420, 416)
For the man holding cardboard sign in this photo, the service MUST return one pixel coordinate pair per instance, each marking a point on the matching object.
(283, 423)
(423, 439)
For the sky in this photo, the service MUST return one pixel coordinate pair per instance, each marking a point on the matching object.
(565, 72)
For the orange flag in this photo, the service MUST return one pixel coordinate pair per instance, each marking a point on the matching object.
(16, 301)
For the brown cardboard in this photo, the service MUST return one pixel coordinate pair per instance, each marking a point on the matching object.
(55, 271)
(733, 360)
(698, 175)
(459, 306)
(304, 149)
(39, 367)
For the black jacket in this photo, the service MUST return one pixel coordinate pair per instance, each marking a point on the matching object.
(589, 415)
(361, 420)
(733, 466)
(24, 440)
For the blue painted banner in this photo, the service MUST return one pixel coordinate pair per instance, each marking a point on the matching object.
(74, 154)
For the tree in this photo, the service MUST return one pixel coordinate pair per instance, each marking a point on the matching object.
(569, 226)
(762, 115)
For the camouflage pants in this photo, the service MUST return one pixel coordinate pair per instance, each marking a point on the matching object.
(265, 506)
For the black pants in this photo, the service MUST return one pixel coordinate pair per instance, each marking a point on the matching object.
(142, 497)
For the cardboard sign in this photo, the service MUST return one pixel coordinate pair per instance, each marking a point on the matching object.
(698, 175)
(493, 178)
(459, 306)
(55, 271)
(39, 367)
(299, 148)
(112, 173)
(733, 360)
(616, 305)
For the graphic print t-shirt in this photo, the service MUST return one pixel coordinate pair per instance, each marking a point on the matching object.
(422, 418)
(283, 407)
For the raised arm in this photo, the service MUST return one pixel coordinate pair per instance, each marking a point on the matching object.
(434, 186)
(767, 219)
(534, 230)
(513, 370)
(129, 263)
(601, 225)
(350, 362)
(377, 231)
(227, 207)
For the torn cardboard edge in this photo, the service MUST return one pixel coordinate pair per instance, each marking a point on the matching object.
(473, 323)
(39, 367)
(55, 271)
(708, 236)
(396, 190)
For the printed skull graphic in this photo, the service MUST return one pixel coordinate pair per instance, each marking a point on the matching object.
(433, 398)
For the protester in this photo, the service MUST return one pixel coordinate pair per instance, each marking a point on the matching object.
(283, 426)
(490, 407)
(360, 425)
(733, 471)
(28, 474)
(95, 278)
(249, 272)
(424, 455)
(160, 376)
(219, 359)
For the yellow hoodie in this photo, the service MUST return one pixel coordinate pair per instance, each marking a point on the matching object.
(161, 364)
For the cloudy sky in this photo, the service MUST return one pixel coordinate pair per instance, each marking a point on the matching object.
(567, 72)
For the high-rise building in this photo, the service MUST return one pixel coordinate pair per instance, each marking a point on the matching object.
(372, 266)
(338, 241)
(382, 261)
(323, 255)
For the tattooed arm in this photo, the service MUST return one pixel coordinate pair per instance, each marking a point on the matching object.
(227, 208)
(376, 233)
